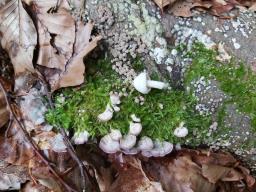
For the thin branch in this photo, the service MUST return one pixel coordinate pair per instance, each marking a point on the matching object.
(31, 142)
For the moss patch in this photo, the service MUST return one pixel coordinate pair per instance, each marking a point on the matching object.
(235, 79)
(81, 107)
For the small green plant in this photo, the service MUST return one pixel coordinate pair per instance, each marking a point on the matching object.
(235, 79)
(160, 114)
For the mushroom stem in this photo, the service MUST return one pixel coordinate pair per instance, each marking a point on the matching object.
(157, 84)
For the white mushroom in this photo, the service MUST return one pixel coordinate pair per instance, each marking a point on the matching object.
(145, 144)
(116, 108)
(115, 99)
(181, 131)
(80, 138)
(106, 115)
(108, 145)
(128, 142)
(161, 148)
(115, 134)
(132, 151)
(143, 84)
(135, 128)
(146, 153)
(135, 118)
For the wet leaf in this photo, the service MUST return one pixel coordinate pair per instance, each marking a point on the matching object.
(18, 35)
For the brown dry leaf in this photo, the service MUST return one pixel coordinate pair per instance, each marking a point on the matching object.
(253, 7)
(18, 35)
(163, 3)
(215, 173)
(184, 8)
(56, 33)
(15, 149)
(133, 178)
(63, 44)
(11, 176)
(4, 112)
(183, 175)
(219, 7)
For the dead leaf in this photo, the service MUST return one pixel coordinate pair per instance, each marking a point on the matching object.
(134, 179)
(215, 173)
(63, 44)
(223, 55)
(163, 3)
(4, 112)
(252, 7)
(11, 176)
(18, 35)
(56, 33)
(74, 74)
(184, 8)
(15, 149)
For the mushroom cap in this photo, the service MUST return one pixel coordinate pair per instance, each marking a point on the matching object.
(135, 128)
(161, 148)
(146, 153)
(135, 118)
(181, 132)
(108, 145)
(140, 83)
(132, 151)
(128, 142)
(106, 115)
(115, 134)
(145, 144)
(115, 99)
(80, 138)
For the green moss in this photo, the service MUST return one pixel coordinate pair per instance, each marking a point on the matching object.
(235, 79)
(81, 108)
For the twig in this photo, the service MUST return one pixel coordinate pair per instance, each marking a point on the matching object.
(85, 175)
(31, 142)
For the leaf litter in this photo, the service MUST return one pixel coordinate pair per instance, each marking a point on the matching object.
(34, 153)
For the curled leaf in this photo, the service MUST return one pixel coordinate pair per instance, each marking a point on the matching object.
(18, 35)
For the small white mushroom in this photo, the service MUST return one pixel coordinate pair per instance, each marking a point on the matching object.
(145, 144)
(146, 153)
(108, 145)
(161, 148)
(143, 84)
(106, 115)
(135, 128)
(128, 142)
(115, 99)
(115, 134)
(116, 108)
(80, 138)
(181, 131)
(135, 118)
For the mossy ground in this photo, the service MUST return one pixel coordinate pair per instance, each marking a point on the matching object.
(81, 107)
(235, 79)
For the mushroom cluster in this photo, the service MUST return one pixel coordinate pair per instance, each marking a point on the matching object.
(110, 108)
(114, 142)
